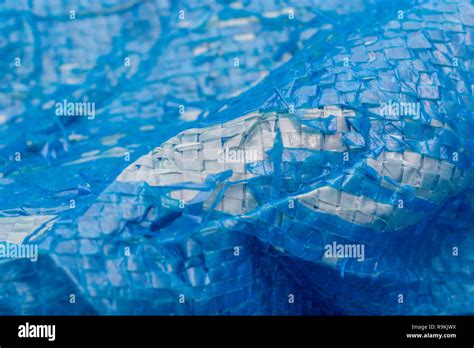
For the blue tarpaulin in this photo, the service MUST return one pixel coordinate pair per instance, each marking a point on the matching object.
(236, 158)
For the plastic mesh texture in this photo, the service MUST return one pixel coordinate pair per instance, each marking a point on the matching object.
(363, 137)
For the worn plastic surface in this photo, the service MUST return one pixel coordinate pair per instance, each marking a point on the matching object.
(363, 137)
